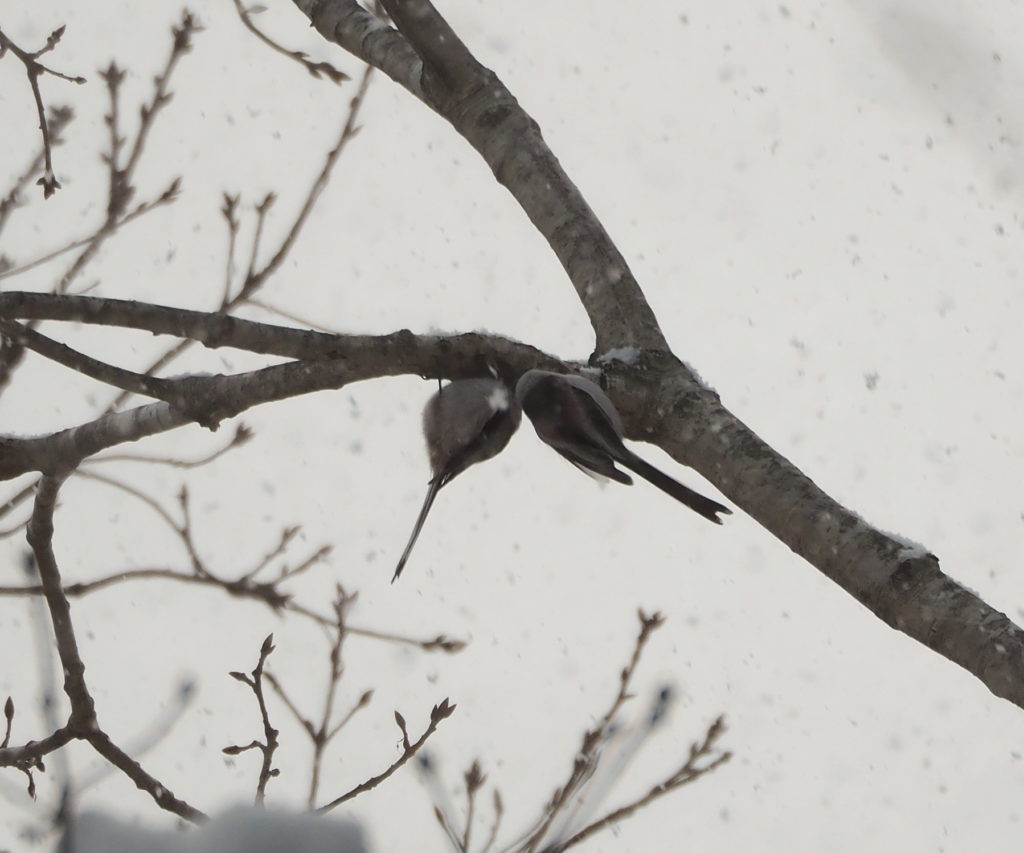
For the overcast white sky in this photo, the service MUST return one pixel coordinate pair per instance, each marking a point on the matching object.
(823, 205)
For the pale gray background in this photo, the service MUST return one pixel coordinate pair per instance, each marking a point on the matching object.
(823, 204)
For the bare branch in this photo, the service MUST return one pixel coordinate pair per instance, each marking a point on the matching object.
(34, 69)
(367, 36)
(691, 771)
(586, 757)
(256, 279)
(86, 365)
(181, 43)
(161, 794)
(262, 209)
(474, 779)
(315, 69)
(348, 132)
(30, 756)
(452, 356)
(82, 723)
(431, 62)
(269, 746)
(305, 322)
(169, 195)
(499, 812)
(361, 703)
(121, 189)
(58, 119)
(661, 398)
(40, 538)
(242, 436)
(282, 694)
(228, 210)
(437, 714)
(287, 535)
(9, 717)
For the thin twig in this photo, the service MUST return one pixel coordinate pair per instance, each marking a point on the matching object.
(59, 118)
(118, 191)
(269, 746)
(306, 724)
(287, 535)
(265, 593)
(438, 713)
(262, 209)
(499, 811)
(583, 763)
(323, 733)
(361, 703)
(691, 771)
(449, 830)
(121, 189)
(289, 315)
(317, 556)
(9, 717)
(228, 210)
(34, 69)
(242, 435)
(138, 494)
(166, 197)
(186, 534)
(257, 279)
(314, 68)
(474, 779)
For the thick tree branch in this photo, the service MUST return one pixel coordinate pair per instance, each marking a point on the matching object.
(208, 400)
(901, 583)
(82, 722)
(363, 34)
(255, 279)
(427, 355)
(661, 398)
(210, 329)
(484, 112)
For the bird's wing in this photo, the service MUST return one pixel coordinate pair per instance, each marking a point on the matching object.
(600, 426)
(568, 418)
(597, 395)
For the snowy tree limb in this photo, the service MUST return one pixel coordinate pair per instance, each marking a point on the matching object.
(660, 397)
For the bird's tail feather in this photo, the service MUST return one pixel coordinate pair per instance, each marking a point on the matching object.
(697, 502)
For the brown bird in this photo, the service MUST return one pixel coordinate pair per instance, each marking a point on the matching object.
(577, 419)
(465, 422)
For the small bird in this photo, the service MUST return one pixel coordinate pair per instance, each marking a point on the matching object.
(465, 422)
(577, 419)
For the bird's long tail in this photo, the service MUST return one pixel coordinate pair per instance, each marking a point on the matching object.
(428, 502)
(697, 502)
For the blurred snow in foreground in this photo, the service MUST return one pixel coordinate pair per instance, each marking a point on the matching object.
(240, 830)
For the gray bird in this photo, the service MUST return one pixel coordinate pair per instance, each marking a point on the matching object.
(577, 419)
(465, 422)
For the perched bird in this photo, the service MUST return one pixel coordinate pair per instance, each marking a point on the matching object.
(577, 419)
(465, 422)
